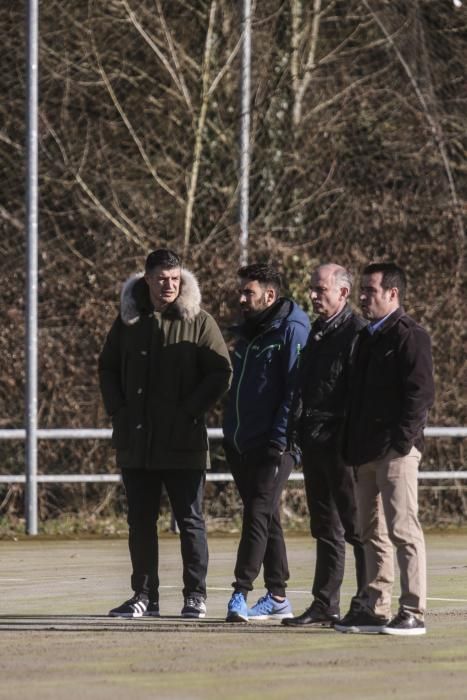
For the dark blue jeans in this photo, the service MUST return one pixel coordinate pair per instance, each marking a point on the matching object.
(262, 539)
(185, 488)
(331, 498)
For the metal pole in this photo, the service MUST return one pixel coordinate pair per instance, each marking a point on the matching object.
(31, 250)
(245, 131)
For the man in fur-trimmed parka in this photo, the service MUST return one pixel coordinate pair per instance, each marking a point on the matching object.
(163, 365)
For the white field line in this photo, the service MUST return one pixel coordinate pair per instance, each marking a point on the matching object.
(301, 592)
(449, 600)
(9, 580)
(228, 589)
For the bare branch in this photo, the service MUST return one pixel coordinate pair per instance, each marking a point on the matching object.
(200, 126)
(339, 95)
(13, 220)
(225, 67)
(438, 136)
(150, 41)
(9, 142)
(173, 53)
(133, 133)
(106, 213)
(296, 12)
(302, 85)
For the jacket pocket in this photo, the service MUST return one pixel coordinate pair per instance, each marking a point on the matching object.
(189, 433)
(121, 430)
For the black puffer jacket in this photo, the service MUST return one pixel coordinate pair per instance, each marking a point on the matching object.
(391, 390)
(319, 402)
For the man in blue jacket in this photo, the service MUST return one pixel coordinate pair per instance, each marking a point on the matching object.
(265, 363)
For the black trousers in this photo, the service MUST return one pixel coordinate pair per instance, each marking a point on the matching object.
(185, 488)
(331, 497)
(262, 539)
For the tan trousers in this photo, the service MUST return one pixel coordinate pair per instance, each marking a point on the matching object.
(388, 507)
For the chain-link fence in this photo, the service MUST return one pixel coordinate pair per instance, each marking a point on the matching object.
(358, 147)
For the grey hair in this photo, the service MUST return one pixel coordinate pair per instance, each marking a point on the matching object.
(343, 278)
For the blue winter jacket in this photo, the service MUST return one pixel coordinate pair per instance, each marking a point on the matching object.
(265, 362)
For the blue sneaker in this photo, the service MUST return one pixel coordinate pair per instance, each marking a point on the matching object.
(237, 609)
(269, 609)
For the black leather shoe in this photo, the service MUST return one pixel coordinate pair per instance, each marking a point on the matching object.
(312, 616)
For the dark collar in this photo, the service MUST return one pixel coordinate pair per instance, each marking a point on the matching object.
(387, 325)
(270, 317)
(321, 328)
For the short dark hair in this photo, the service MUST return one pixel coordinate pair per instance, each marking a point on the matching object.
(391, 276)
(162, 257)
(262, 273)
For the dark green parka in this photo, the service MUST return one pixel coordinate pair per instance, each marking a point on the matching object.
(159, 373)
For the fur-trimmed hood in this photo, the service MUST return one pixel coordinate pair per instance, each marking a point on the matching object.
(134, 298)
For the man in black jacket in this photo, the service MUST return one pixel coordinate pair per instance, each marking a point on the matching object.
(391, 390)
(163, 366)
(316, 424)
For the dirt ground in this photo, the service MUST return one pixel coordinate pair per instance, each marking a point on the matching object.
(57, 641)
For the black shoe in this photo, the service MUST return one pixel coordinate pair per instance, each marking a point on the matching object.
(361, 620)
(194, 607)
(314, 615)
(152, 609)
(405, 623)
(134, 607)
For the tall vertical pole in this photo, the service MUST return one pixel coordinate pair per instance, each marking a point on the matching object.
(32, 32)
(245, 131)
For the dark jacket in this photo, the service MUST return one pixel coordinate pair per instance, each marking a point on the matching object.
(391, 390)
(265, 362)
(159, 373)
(319, 401)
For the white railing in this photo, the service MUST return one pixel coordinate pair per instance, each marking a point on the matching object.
(213, 434)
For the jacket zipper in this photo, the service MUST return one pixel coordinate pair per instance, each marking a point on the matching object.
(237, 398)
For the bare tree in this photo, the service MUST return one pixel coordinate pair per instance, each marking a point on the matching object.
(358, 153)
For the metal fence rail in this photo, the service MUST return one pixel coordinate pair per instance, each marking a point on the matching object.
(213, 434)
(211, 476)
